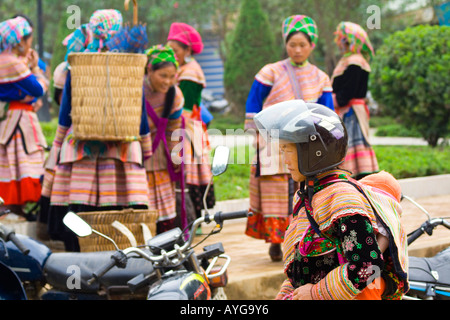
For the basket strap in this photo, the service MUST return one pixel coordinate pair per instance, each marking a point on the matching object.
(109, 93)
(135, 10)
(125, 231)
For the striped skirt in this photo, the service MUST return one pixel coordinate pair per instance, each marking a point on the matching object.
(270, 202)
(162, 194)
(99, 183)
(20, 173)
(198, 174)
(47, 183)
(360, 158)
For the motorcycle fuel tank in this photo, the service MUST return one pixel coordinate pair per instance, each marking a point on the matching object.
(180, 286)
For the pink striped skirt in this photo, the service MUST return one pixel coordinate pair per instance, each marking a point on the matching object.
(20, 172)
(162, 194)
(99, 182)
(360, 158)
(269, 202)
(198, 174)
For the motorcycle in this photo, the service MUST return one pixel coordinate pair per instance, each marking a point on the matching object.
(429, 278)
(166, 267)
(11, 287)
(177, 272)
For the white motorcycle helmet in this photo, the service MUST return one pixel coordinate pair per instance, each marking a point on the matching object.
(318, 132)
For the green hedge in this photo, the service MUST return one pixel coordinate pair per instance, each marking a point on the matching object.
(409, 79)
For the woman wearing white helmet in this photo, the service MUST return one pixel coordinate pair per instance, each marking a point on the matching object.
(330, 247)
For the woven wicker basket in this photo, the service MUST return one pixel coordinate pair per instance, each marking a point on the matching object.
(102, 220)
(107, 95)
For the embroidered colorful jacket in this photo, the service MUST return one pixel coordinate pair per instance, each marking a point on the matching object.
(331, 204)
(273, 85)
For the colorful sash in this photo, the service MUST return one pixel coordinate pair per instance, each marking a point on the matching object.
(161, 125)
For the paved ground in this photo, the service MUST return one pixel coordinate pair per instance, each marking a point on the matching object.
(252, 275)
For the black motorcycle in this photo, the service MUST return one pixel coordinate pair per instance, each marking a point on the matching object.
(175, 272)
(429, 278)
(166, 267)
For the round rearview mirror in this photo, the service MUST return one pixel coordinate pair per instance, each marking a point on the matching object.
(80, 227)
(220, 160)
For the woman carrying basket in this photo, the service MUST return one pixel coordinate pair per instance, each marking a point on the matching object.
(90, 37)
(164, 105)
(95, 175)
(21, 139)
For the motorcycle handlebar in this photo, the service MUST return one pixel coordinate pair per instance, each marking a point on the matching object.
(8, 234)
(19, 244)
(119, 259)
(219, 217)
(416, 234)
(428, 227)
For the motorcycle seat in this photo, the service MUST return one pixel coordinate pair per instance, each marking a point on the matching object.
(70, 271)
(431, 270)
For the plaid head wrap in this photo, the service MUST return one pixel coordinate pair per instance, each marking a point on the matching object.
(160, 53)
(301, 23)
(12, 31)
(105, 23)
(91, 37)
(357, 38)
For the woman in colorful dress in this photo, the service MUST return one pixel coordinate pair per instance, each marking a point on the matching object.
(186, 42)
(164, 105)
(90, 37)
(22, 142)
(331, 248)
(293, 78)
(350, 80)
(95, 175)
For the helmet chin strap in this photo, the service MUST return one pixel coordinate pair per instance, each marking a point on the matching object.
(309, 184)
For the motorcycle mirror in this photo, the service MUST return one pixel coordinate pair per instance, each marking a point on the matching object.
(80, 227)
(220, 160)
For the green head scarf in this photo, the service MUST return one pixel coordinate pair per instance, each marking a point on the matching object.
(160, 53)
(300, 23)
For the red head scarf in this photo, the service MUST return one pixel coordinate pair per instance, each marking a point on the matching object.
(186, 34)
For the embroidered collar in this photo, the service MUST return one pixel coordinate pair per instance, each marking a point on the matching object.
(319, 182)
(303, 64)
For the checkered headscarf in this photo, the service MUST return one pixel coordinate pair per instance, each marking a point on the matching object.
(356, 37)
(161, 53)
(12, 31)
(300, 23)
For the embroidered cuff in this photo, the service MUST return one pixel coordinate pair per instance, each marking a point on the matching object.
(335, 286)
(286, 291)
(146, 145)
(60, 135)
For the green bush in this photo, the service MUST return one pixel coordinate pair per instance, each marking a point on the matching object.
(413, 161)
(252, 45)
(49, 130)
(396, 130)
(410, 79)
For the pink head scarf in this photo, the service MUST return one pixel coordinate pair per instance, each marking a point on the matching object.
(186, 34)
